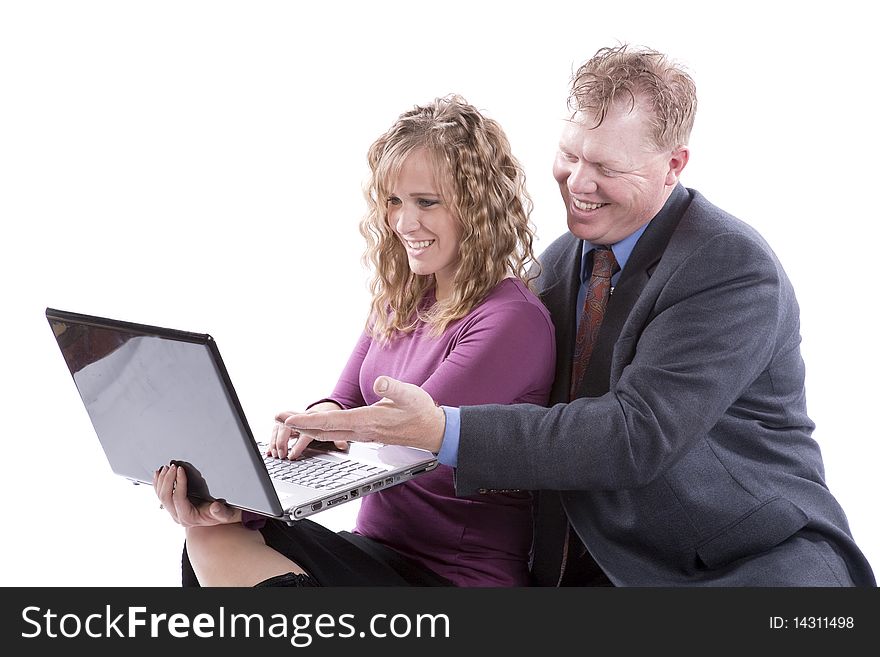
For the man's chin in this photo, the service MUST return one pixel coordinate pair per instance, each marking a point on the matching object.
(585, 231)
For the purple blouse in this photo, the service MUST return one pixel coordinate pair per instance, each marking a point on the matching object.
(502, 352)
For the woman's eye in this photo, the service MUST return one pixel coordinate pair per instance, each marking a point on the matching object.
(393, 200)
(427, 202)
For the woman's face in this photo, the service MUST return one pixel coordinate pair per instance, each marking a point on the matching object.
(423, 221)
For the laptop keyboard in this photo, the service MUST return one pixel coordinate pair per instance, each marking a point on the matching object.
(318, 472)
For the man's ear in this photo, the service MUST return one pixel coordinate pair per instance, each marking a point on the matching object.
(677, 162)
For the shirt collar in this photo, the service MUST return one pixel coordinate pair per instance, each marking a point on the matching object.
(622, 250)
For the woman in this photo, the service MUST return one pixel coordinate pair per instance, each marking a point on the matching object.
(449, 240)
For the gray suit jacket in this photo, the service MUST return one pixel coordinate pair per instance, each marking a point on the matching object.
(688, 458)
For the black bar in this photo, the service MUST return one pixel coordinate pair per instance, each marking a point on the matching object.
(438, 621)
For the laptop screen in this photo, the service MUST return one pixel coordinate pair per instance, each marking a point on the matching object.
(156, 395)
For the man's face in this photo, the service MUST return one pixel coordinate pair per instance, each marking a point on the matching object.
(612, 178)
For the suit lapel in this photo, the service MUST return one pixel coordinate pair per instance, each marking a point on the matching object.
(641, 264)
(560, 299)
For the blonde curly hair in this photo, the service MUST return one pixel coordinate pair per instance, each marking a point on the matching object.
(484, 187)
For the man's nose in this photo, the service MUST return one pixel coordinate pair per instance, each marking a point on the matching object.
(582, 180)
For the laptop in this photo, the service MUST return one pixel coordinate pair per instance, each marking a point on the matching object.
(157, 396)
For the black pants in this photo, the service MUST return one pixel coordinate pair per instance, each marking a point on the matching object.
(334, 559)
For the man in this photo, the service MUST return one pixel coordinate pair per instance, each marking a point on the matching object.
(677, 449)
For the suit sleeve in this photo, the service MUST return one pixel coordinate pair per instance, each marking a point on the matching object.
(712, 331)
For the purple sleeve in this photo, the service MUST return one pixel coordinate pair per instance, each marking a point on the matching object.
(347, 392)
(506, 355)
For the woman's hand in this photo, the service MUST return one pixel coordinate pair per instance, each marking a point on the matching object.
(280, 445)
(169, 482)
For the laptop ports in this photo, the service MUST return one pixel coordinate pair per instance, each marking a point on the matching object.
(337, 500)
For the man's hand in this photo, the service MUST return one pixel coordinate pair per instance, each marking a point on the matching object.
(406, 415)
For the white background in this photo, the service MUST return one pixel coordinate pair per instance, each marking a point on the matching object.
(199, 165)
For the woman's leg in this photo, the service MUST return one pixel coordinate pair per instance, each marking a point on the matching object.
(231, 555)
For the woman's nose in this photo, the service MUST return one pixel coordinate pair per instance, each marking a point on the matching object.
(406, 219)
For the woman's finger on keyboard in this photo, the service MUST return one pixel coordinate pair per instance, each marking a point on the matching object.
(298, 447)
(278, 445)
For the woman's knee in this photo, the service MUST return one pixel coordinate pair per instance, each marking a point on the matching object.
(206, 543)
(230, 555)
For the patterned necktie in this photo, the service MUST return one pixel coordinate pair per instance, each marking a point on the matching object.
(598, 291)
